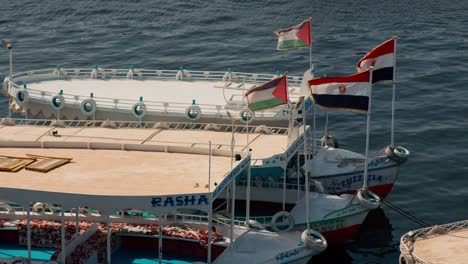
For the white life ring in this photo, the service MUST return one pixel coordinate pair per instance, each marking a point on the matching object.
(139, 110)
(314, 240)
(19, 260)
(57, 102)
(22, 97)
(6, 82)
(398, 154)
(88, 103)
(406, 259)
(7, 208)
(254, 224)
(42, 206)
(372, 202)
(243, 115)
(278, 215)
(193, 113)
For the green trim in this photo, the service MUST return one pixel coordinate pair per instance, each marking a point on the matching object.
(342, 209)
(265, 104)
(292, 44)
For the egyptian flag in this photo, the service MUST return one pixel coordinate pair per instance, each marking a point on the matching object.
(270, 94)
(346, 93)
(295, 37)
(382, 58)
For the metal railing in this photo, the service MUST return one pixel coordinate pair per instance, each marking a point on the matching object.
(272, 185)
(153, 107)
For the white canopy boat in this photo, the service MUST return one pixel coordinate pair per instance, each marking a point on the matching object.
(447, 243)
(142, 94)
(337, 217)
(84, 197)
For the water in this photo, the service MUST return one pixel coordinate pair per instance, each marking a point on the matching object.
(214, 35)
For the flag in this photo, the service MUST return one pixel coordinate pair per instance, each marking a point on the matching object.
(382, 58)
(270, 94)
(348, 93)
(295, 37)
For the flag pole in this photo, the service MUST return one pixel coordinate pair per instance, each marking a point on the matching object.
(287, 159)
(306, 168)
(368, 132)
(392, 141)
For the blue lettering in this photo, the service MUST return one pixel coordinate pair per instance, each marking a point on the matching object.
(168, 200)
(156, 202)
(179, 201)
(202, 198)
(189, 200)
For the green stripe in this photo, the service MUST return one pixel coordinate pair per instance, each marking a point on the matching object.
(265, 104)
(292, 44)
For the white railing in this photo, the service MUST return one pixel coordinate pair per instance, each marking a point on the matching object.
(153, 107)
(147, 125)
(272, 185)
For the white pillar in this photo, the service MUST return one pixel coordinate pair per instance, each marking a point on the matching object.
(160, 246)
(77, 220)
(210, 227)
(233, 207)
(109, 233)
(247, 207)
(63, 238)
(28, 231)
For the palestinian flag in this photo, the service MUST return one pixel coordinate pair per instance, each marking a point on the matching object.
(346, 93)
(295, 37)
(270, 94)
(382, 58)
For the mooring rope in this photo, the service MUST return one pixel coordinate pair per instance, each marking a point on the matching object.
(406, 214)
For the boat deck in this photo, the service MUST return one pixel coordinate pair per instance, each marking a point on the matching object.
(97, 172)
(443, 248)
(262, 145)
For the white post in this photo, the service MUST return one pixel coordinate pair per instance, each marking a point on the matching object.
(210, 227)
(28, 231)
(392, 141)
(306, 171)
(368, 132)
(10, 53)
(233, 207)
(160, 252)
(109, 232)
(63, 239)
(209, 166)
(313, 131)
(247, 207)
(284, 185)
(77, 219)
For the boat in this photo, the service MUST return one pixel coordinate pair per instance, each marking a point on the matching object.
(88, 194)
(337, 217)
(445, 243)
(201, 97)
(142, 95)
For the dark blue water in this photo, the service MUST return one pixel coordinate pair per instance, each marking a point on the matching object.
(432, 109)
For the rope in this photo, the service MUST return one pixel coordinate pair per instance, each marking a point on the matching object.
(406, 214)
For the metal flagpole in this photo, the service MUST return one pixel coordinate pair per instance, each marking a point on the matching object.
(210, 227)
(247, 207)
(306, 169)
(209, 166)
(10, 51)
(392, 143)
(109, 240)
(28, 231)
(160, 241)
(62, 236)
(287, 160)
(368, 132)
(326, 123)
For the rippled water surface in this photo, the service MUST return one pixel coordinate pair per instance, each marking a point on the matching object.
(432, 91)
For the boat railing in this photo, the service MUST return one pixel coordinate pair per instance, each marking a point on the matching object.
(271, 185)
(202, 219)
(147, 125)
(159, 107)
(265, 220)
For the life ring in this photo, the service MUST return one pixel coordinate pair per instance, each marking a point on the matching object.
(42, 206)
(193, 113)
(254, 224)
(406, 259)
(7, 208)
(22, 97)
(88, 107)
(57, 102)
(19, 260)
(6, 81)
(314, 240)
(371, 201)
(330, 141)
(277, 216)
(244, 115)
(398, 154)
(139, 110)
